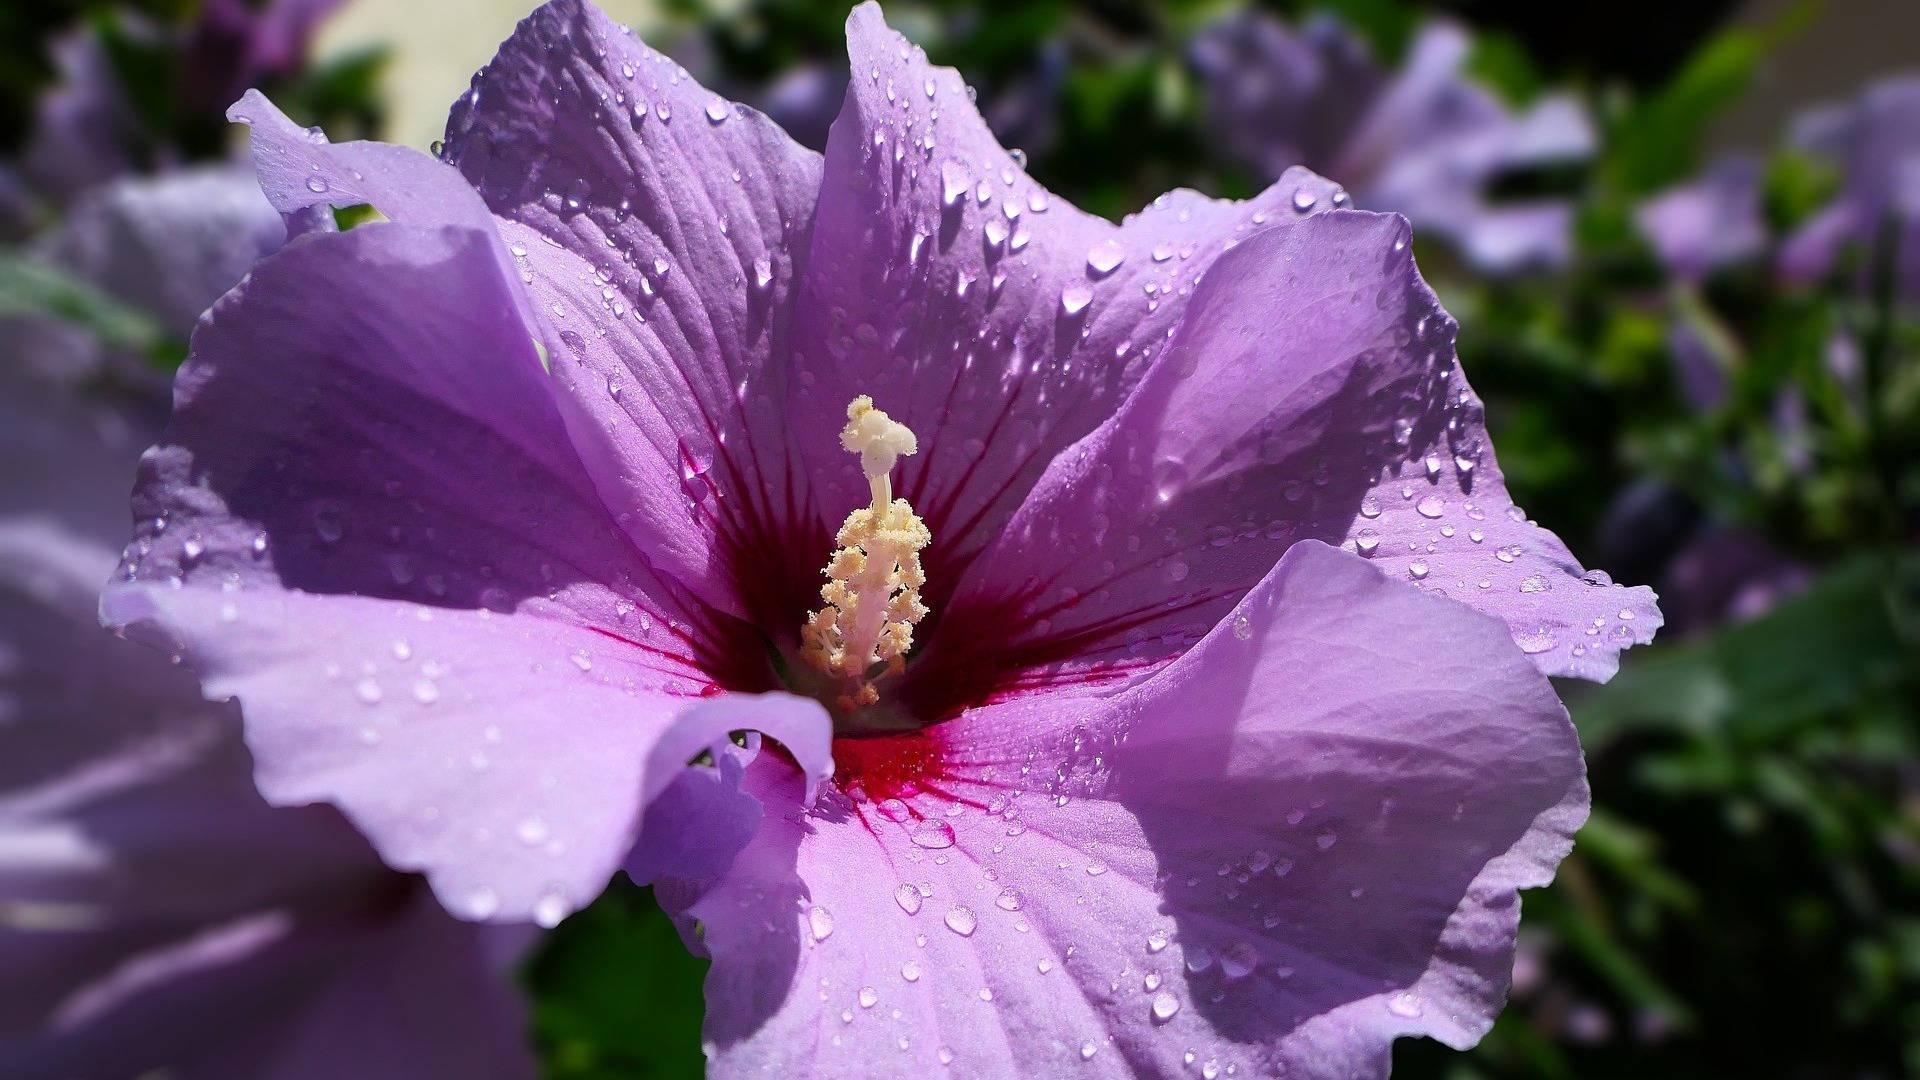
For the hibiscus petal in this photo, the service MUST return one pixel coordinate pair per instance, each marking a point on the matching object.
(299, 169)
(366, 522)
(1354, 425)
(1295, 844)
(661, 228)
(994, 319)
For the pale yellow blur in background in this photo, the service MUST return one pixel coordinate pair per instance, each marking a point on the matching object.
(436, 46)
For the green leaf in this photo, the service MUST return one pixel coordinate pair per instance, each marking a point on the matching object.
(616, 994)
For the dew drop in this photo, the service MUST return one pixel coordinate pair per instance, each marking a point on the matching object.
(1239, 960)
(954, 182)
(549, 910)
(1008, 900)
(317, 185)
(820, 921)
(1431, 507)
(868, 997)
(1075, 298)
(1105, 257)
(960, 920)
(1165, 1005)
(1303, 200)
(908, 898)
(716, 110)
(933, 833)
(1533, 642)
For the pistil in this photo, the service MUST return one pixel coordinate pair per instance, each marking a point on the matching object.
(872, 594)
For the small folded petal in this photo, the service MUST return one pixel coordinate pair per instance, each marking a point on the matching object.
(996, 320)
(1296, 843)
(660, 230)
(299, 169)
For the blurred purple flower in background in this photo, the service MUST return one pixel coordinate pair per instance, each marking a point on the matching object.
(1710, 223)
(1875, 142)
(495, 515)
(88, 130)
(155, 913)
(1425, 141)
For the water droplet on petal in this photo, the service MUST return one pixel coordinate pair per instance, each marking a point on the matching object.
(868, 997)
(954, 182)
(717, 110)
(960, 920)
(820, 921)
(1165, 1005)
(908, 898)
(1075, 298)
(1537, 641)
(1239, 960)
(933, 833)
(1105, 257)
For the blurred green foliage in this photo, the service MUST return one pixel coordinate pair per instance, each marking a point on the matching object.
(617, 996)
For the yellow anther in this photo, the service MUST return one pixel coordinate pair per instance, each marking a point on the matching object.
(873, 581)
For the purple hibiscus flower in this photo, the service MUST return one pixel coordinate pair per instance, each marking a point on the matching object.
(1186, 711)
(1425, 141)
(1875, 141)
(155, 912)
